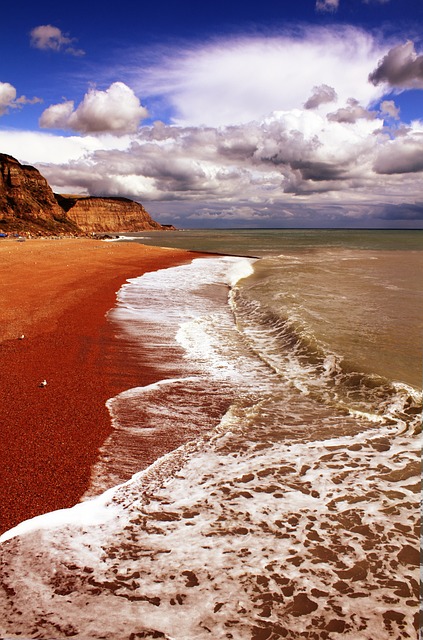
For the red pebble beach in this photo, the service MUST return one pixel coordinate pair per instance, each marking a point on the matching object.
(56, 294)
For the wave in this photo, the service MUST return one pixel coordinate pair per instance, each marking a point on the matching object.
(287, 347)
(287, 512)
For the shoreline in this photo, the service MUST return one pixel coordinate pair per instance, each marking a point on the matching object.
(57, 294)
(302, 506)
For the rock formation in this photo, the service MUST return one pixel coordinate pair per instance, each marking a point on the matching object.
(27, 204)
(98, 214)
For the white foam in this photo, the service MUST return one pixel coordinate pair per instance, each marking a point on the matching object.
(84, 514)
(170, 296)
(210, 547)
(135, 391)
(240, 270)
(121, 238)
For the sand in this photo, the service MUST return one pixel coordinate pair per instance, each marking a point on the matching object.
(57, 293)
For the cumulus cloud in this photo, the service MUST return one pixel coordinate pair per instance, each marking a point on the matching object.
(404, 155)
(49, 38)
(294, 163)
(234, 80)
(321, 95)
(116, 110)
(351, 113)
(7, 96)
(57, 116)
(8, 99)
(327, 5)
(401, 68)
(389, 108)
(297, 153)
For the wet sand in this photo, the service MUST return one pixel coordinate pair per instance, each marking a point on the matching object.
(57, 293)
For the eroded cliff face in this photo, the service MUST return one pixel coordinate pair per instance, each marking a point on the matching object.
(100, 214)
(27, 201)
(28, 205)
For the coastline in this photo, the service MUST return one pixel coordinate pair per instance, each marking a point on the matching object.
(57, 294)
(302, 506)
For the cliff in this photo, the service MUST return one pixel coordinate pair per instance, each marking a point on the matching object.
(27, 202)
(28, 205)
(101, 214)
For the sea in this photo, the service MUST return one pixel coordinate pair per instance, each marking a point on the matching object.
(268, 484)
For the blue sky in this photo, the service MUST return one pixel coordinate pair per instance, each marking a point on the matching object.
(266, 114)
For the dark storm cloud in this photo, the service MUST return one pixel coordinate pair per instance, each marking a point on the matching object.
(406, 211)
(319, 171)
(401, 156)
(401, 68)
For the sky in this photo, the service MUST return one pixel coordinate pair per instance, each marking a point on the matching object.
(278, 113)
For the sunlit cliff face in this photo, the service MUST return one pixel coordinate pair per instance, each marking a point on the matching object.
(27, 203)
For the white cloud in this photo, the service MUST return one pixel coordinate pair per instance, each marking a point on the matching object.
(351, 113)
(243, 79)
(116, 110)
(24, 100)
(294, 161)
(32, 147)
(389, 108)
(327, 5)
(49, 38)
(8, 99)
(57, 116)
(296, 152)
(403, 155)
(7, 96)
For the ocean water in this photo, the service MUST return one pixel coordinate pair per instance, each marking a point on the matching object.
(268, 485)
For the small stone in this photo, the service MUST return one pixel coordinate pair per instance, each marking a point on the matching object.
(302, 605)
(409, 555)
(192, 580)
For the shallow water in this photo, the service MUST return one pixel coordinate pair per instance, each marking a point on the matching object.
(268, 242)
(285, 502)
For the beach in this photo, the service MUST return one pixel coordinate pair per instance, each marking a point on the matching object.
(256, 471)
(56, 294)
